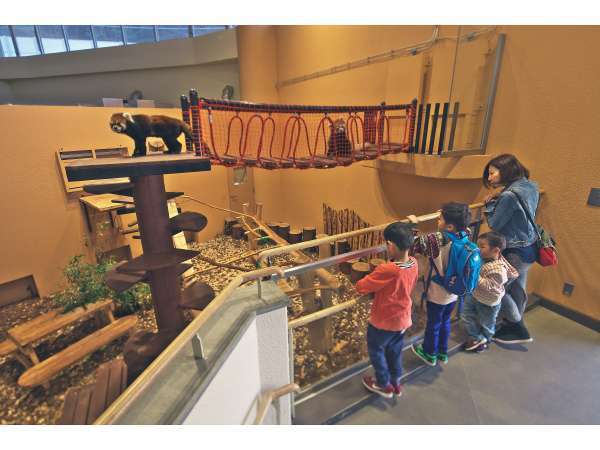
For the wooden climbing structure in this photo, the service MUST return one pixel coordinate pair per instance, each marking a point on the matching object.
(161, 263)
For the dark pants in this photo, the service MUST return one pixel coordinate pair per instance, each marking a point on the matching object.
(385, 352)
(437, 331)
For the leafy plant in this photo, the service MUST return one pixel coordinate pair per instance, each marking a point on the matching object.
(85, 285)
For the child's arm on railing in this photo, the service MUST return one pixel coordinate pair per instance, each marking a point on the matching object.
(429, 244)
(375, 280)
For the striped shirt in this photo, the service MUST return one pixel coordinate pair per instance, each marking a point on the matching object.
(493, 276)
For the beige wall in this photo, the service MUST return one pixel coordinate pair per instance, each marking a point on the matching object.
(42, 226)
(162, 71)
(545, 113)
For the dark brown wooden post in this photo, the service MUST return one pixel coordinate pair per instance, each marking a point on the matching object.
(153, 222)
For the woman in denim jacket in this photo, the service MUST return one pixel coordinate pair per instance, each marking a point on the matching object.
(506, 216)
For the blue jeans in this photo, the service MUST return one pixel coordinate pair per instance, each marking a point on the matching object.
(437, 331)
(515, 298)
(479, 320)
(385, 352)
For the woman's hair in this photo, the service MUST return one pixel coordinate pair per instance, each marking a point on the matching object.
(494, 239)
(510, 169)
(457, 214)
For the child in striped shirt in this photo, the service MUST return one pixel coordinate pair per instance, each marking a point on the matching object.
(481, 308)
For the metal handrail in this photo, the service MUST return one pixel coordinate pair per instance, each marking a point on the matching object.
(325, 240)
(139, 386)
(266, 399)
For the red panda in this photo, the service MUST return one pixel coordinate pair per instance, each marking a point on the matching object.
(339, 144)
(141, 126)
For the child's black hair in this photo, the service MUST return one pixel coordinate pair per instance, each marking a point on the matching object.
(457, 214)
(494, 239)
(400, 234)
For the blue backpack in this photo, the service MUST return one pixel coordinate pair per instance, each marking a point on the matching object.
(464, 261)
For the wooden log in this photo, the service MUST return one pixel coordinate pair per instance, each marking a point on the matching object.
(342, 246)
(309, 234)
(274, 226)
(295, 236)
(376, 262)
(284, 231)
(359, 270)
(237, 231)
(229, 223)
(346, 266)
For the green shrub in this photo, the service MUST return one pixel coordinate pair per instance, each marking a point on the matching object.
(85, 285)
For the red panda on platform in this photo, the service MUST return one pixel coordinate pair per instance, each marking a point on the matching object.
(141, 126)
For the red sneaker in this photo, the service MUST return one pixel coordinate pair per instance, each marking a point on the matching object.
(397, 390)
(370, 383)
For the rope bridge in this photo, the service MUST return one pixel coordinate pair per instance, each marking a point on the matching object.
(272, 136)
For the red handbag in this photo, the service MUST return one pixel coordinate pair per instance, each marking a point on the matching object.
(546, 246)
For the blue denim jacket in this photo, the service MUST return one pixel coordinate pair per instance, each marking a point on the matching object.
(506, 216)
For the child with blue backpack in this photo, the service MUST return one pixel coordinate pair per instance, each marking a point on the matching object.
(456, 262)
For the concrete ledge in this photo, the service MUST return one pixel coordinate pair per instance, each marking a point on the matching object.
(175, 391)
(467, 167)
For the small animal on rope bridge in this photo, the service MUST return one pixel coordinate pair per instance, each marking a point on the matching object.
(339, 144)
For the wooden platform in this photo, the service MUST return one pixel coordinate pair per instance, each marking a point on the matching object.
(131, 167)
(42, 372)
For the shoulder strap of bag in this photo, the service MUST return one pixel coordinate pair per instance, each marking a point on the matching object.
(527, 213)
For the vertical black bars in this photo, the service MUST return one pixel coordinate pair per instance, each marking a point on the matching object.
(453, 127)
(436, 112)
(196, 131)
(418, 133)
(425, 128)
(443, 127)
(185, 115)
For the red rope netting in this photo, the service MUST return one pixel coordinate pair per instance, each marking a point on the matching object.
(295, 136)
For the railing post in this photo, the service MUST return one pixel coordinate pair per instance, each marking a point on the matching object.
(291, 356)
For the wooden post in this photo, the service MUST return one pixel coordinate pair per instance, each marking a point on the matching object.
(259, 210)
(320, 332)
(375, 262)
(284, 231)
(153, 222)
(237, 231)
(343, 246)
(295, 236)
(324, 249)
(309, 234)
(229, 223)
(346, 266)
(359, 270)
(274, 226)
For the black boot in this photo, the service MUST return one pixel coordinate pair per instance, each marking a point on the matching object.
(513, 333)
